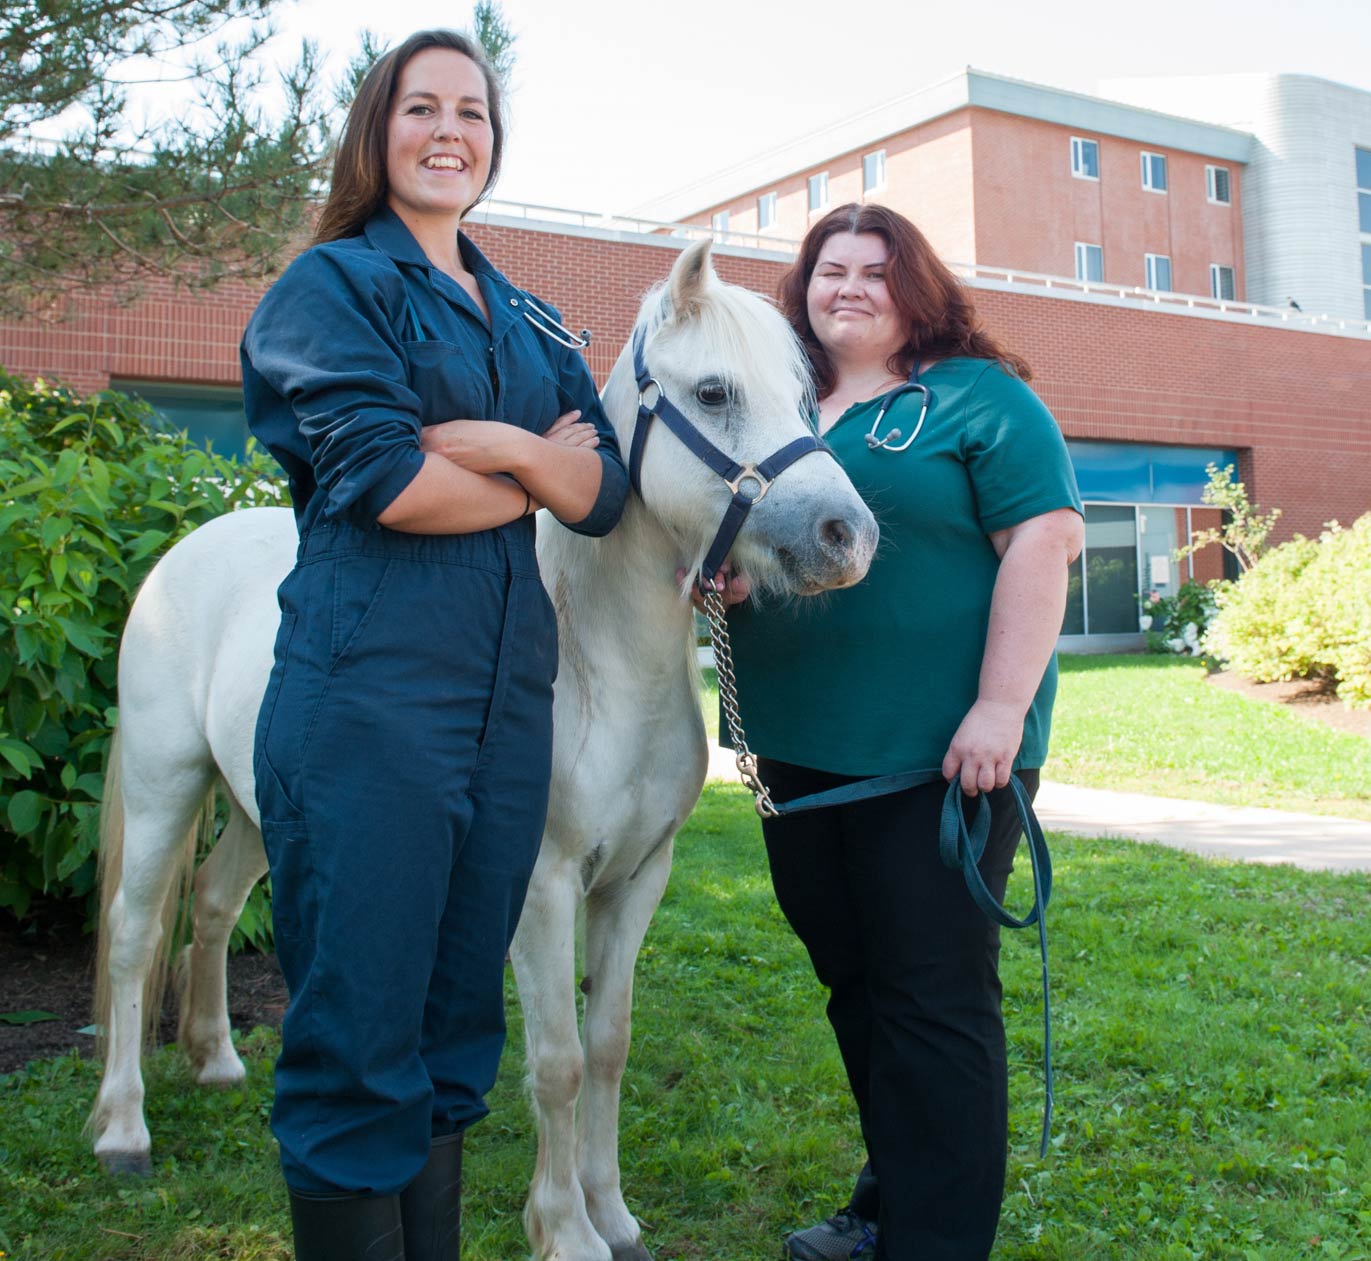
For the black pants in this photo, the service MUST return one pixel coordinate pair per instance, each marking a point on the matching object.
(913, 970)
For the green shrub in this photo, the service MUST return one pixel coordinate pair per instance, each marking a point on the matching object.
(90, 494)
(1340, 582)
(1303, 612)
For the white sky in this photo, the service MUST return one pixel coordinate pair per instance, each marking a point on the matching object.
(616, 102)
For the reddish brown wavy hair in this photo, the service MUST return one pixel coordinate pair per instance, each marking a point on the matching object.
(931, 301)
(359, 186)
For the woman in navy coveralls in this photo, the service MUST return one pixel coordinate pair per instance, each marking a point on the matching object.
(404, 744)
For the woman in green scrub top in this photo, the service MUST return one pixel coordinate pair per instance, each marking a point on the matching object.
(941, 657)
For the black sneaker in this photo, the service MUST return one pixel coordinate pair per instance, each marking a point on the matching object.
(842, 1236)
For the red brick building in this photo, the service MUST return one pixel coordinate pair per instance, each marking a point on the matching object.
(1007, 174)
(1145, 392)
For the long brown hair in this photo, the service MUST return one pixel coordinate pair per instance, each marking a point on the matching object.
(359, 168)
(930, 300)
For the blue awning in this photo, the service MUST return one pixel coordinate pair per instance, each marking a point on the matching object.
(1144, 473)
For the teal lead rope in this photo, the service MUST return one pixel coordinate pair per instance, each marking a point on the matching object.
(959, 847)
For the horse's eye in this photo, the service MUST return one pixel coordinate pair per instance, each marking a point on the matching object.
(712, 393)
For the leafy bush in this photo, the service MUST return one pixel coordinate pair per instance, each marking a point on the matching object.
(1303, 611)
(1340, 578)
(90, 494)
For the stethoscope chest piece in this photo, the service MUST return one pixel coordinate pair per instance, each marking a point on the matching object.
(892, 439)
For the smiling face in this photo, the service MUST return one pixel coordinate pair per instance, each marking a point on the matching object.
(438, 137)
(849, 304)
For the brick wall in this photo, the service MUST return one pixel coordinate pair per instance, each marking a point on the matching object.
(1031, 210)
(1297, 405)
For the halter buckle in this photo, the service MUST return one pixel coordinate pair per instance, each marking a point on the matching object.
(650, 384)
(749, 473)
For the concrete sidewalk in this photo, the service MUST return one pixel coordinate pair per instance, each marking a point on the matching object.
(1314, 842)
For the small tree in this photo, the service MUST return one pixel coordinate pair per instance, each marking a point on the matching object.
(1244, 531)
(227, 189)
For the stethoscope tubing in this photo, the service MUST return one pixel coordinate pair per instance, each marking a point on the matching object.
(546, 324)
(874, 441)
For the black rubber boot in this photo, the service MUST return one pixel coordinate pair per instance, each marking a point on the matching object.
(347, 1227)
(431, 1206)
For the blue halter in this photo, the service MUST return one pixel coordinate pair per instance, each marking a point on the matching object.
(748, 482)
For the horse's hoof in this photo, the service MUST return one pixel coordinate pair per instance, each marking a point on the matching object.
(127, 1164)
(630, 1252)
(219, 1076)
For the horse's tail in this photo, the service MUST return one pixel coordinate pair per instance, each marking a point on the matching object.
(109, 875)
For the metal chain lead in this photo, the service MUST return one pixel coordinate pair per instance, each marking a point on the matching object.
(728, 700)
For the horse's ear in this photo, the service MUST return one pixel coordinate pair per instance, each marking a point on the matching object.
(689, 279)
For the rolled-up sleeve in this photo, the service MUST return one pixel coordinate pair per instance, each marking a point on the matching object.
(577, 388)
(323, 340)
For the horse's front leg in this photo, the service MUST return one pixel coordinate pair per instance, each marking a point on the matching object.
(544, 956)
(222, 886)
(616, 920)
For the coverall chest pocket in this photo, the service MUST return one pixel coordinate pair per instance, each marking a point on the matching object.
(452, 382)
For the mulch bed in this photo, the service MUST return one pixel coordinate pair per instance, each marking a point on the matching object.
(48, 965)
(1312, 700)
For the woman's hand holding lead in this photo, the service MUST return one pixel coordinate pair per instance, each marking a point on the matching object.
(983, 749)
(734, 586)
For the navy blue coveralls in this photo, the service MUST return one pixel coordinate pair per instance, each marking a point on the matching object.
(404, 743)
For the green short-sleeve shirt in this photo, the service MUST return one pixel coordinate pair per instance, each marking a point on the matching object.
(876, 679)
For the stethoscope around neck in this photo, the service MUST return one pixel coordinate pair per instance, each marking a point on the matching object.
(892, 440)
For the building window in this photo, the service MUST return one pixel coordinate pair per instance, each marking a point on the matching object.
(766, 211)
(1158, 270)
(1216, 186)
(1364, 188)
(211, 415)
(873, 171)
(818, 191)
(1221, 282)
(1089, 262)
(1085, 159)
(1364, 219)
(1154, 172)
(719, 222)
(1366, 277)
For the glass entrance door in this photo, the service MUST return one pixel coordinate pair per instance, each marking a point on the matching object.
(1158, 539)
(1102, 586)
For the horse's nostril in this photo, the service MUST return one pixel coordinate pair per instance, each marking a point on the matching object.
(836, 533)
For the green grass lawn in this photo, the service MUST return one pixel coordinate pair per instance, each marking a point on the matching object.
(1152, 724)
(1213, 1081)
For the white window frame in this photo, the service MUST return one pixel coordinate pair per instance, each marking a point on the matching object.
(1211, 180)
(1150, 262)
(1147, 156)
(1366, 276)
(718, 223)
(1363, 183)
(817, 183)
(878, 155)
(1078, 171)
(766, 211)
(1216, 271)
(1083, 262)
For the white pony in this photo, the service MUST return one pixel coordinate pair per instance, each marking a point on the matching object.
(628, 764)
